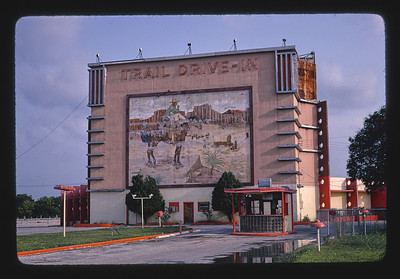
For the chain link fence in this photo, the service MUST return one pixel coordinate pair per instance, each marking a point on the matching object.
(339, 222)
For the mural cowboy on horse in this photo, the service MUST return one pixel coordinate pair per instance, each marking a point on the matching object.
(172, 129)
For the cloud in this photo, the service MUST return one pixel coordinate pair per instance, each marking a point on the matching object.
(377, 25)
(367, 26)
(49, 69)
(51, 80)
(347, 88)
(44, 38)
(352, 94)
(59, 158)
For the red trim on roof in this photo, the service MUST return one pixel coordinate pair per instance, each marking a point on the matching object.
(258, 190)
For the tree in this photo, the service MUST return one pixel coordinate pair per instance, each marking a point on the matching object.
(25, 205)
(143, 188)
(47, 207)
(43, 207)
(222, 201)
(367, 150)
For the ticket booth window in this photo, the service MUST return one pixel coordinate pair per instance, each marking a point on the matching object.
(255, 207)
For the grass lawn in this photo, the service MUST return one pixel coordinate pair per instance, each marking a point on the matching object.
(51, 240)
(358, 248)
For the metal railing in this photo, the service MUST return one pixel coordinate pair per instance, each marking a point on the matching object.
(339, 222)
(261, 223)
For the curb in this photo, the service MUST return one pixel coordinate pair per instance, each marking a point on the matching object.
(94, 244)
(259, 234)
(177, 233)
(94, 225)
(155, 224)
(301, 223)
(214, 223)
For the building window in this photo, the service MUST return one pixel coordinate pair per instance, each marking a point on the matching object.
(96, 86)
(286, 72)
(174, 206)
(203, 206)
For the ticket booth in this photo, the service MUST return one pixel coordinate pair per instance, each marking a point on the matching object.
(264, 211)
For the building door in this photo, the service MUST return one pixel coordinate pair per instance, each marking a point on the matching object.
(188, 212)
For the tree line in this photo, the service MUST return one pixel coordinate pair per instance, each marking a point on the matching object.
(44, 207)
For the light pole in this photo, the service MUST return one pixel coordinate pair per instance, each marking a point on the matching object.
(64, 190)
(141, 199)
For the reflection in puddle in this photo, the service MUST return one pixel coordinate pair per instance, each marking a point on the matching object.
(265, 253)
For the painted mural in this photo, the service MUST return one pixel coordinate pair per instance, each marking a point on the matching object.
(192, 138)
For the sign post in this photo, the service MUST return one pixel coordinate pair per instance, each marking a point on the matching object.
(159, 214)
(364, 212)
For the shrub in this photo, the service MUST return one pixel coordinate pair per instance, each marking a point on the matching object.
(223, 201)
(143, 188)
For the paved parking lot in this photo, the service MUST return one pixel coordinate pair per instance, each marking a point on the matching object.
(202, 246)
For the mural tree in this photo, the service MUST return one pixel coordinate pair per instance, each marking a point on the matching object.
(143, 188)
(222, 201)
(214, 160)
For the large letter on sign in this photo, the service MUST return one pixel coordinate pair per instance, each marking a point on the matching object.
(182, 70)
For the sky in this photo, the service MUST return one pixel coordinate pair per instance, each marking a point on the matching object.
(51, 89)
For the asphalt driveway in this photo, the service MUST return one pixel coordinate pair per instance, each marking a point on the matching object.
(204, 245)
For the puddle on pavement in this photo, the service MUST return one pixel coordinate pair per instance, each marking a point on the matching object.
(263, 254)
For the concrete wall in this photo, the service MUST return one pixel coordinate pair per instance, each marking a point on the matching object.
(306, 200)
(265, 102)
(182, 195)
(107, 207)
(255, 69)
(338, 200)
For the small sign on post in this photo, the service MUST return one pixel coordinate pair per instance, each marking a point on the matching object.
(159, 214)
(318, 224)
